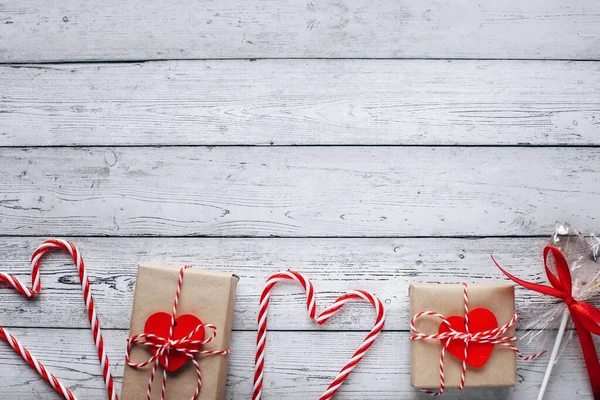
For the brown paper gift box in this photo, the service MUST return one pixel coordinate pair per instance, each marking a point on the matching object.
(500, 369)
(206, 294)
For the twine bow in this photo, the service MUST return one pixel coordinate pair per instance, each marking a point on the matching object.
(586, 317)
(492, 336)
(164, 346)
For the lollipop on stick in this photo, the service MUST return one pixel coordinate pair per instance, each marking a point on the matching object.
(579, 255)
(574, 274)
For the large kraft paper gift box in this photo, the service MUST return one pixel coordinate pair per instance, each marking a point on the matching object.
(499, 370)
(209, 296)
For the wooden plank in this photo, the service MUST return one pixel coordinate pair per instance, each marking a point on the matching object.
(184, 29)
(383, 266)
(283, 102)
(291, 372)
(297, 191)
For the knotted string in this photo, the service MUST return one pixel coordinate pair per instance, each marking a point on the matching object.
(164, 346)
(492, 336)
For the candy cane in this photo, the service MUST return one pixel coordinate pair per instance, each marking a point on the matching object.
(51, 379)
(29, 292)
(320, 320)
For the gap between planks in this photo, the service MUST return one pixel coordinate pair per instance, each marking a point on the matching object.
(242, 146)
(32, 64)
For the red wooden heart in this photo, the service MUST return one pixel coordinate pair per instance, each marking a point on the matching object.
(480, 319)
(159, 324)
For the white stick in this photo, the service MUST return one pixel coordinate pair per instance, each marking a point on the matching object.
(559, 336)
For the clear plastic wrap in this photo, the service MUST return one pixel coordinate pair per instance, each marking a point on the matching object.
(583, 256)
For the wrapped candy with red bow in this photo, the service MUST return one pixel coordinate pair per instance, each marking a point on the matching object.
(573, 271)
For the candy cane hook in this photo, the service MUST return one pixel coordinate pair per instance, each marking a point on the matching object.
(29, 292)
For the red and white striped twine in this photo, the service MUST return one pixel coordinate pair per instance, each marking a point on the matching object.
(164, 346)
(320, 320)
(493, 336)
(29, 292)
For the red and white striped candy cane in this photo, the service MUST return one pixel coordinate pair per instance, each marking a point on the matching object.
(493, 336)
(261, 339)
(29, 292)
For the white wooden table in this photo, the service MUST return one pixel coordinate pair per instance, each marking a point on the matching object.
(364, 143)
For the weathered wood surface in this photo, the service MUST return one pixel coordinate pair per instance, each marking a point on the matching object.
(297, 191)
(282, 102)
(384, 266)
(291, 372)
(131, 30)
(378, 217)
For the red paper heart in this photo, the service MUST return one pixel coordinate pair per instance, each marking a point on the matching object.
(159, 324)
(480, 319)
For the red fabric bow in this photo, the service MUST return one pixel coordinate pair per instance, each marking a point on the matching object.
(585, 316)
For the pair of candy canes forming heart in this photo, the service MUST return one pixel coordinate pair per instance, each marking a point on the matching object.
(323, 317)
(52, 245)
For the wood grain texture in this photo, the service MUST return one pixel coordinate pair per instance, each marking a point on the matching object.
(406, 77)
(290, 371)
(132, 30)
(286, 102)
(297, 191)
(385, 267)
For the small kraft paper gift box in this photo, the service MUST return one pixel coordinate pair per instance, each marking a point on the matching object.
(181, 321)
(435, 308)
